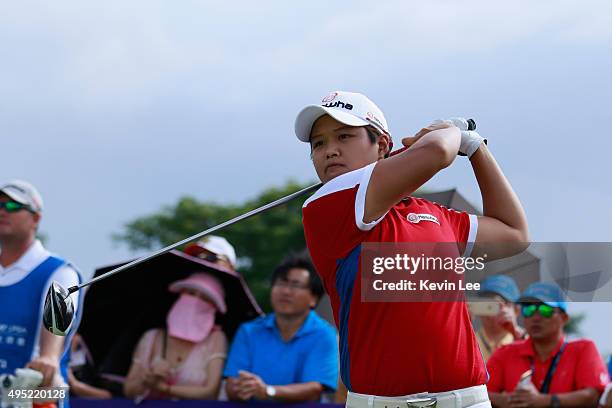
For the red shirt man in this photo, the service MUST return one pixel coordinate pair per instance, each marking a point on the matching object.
(581, 367)
(562, 373)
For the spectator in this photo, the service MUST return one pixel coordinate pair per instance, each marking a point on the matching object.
(214, 249)
(82, 376)
(502, 329)
(290, 355)
(186, 360)
(546, 370)
(26, 272)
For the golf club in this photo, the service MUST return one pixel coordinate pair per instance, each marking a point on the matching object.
(59, 310)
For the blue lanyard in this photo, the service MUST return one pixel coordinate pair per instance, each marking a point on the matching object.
(551, 370)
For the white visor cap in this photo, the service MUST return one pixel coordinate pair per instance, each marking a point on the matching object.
(350, 108)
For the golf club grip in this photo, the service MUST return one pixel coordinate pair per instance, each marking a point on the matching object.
(471, 126)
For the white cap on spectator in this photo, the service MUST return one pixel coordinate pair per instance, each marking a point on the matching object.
(216, 245)
(24, 193)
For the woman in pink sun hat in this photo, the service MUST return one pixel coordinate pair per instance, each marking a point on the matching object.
(185, 361)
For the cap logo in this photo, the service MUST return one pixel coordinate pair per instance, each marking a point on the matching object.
(330, 97)
(373, 118)
(338, 104)
(416, 218)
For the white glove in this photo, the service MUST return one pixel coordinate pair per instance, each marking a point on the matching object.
(470, 139)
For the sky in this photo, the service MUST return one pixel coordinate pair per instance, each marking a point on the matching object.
(116, 109)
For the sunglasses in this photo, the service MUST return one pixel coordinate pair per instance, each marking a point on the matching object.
(212, 257)
(529, 310)
(12, 206)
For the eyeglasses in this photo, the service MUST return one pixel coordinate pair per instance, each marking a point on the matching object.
(13, 206)
(280, 283)
(529, 310)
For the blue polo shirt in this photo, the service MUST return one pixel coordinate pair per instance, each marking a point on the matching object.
(311, 355)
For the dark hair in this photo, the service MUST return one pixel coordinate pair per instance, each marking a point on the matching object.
(302, 261)
(374, 134)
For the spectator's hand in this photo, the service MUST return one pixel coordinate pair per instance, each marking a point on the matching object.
(151, 380)
(161, 368)
(527, 397)
(235, 384)
(162, 386)
(507, 319)
(47, 366)
(251, 386)
(148, 378)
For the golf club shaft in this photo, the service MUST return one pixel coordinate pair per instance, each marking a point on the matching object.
(283, 200)
(244, 216)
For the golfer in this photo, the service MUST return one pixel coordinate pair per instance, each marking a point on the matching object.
(424, 352)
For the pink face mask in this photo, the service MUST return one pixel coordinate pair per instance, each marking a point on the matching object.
(191, 318)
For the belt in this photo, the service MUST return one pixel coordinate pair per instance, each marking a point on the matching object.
(465, 397)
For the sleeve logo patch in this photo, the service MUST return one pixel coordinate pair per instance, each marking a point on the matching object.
(416, 218)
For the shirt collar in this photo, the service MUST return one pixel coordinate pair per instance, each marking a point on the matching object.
(527, 348)
(308, 325)
(31, 258)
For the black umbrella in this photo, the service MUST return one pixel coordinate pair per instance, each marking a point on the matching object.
(119, 310)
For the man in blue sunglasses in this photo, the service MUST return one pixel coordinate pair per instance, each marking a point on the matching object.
(547, 369)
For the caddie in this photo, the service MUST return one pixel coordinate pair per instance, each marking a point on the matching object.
(26, 272)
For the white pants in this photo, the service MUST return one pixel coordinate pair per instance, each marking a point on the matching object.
(473, 397)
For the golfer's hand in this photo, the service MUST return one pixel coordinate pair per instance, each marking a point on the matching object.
(527, 397)
(410, 140)
(47, 366)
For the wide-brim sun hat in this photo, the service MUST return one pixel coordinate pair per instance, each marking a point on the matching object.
(205, 284)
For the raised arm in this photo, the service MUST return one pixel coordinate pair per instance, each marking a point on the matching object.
(431, 150)
(504, 220)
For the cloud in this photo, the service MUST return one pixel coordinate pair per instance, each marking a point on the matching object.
(125, 56)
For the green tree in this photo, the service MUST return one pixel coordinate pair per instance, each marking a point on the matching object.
(261, 241)
(573, 325)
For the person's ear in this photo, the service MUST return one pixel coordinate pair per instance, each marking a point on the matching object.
(313, 301)
(564, 317)
(36, 217)
(383, 145)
